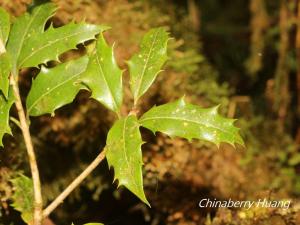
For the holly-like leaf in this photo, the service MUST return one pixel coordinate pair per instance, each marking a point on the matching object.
(4, 25)
(55, 87)
(124, 154)
(5, 67)
(23, 197)
(103, 76)
(191, 121)
(5, 106)
(27, 26)
(55, 41)
(145, 65)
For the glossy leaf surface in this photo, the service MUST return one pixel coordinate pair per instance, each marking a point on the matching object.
(103, 76)
(191, 121)
(27, 26)
(55, 41)
(147, 63)
(125, 156)
(55, 87)
(4, 25)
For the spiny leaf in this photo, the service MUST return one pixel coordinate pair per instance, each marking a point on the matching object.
(5, 106)
(55, 41)
(55, 87)
(27, 26)
(124, 154)
(103, 76)
(4, 25)
(23, 197)
(145, 65)
(191, 121)
(5, 67)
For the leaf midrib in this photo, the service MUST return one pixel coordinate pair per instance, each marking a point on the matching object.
(24, 35)
(146, 65)
(49, 44)
(106, 82)
(187, 120)
(125, 153)
(51, 90)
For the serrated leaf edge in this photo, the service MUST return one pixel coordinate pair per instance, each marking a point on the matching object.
(50, 90)
(124, 149)
(34, 51)
(26, 30)
(214, 110)
(137, 93)
(115, 108)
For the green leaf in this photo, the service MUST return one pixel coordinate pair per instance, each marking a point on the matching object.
(145, 65)
(103, 76)
(23, 197)
(55, 41)
(55, 87)
(27, 26)
(124, 154)
(294, 160)
(4, 25)
(5, 106)
(191, 121)
(5, 67)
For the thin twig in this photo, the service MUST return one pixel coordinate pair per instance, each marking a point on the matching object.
(15, 121)
(78, 180)
(38, 201)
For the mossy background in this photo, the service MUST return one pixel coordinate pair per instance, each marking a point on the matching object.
(227, 52)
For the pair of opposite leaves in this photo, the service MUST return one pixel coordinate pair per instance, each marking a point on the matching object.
(29, 44)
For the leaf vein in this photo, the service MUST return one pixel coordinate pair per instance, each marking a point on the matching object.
(125, 154)
(51, 90)
(105, 80)
(187, 120)
(49, 44)
(25, 33)
(146, 64)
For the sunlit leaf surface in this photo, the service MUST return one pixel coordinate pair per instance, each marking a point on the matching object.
(146, 64)
(191, 121)
(55, 87)
(125, 156)
(103, 76)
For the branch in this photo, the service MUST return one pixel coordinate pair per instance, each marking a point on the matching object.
(38, 201)
(74, 184)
